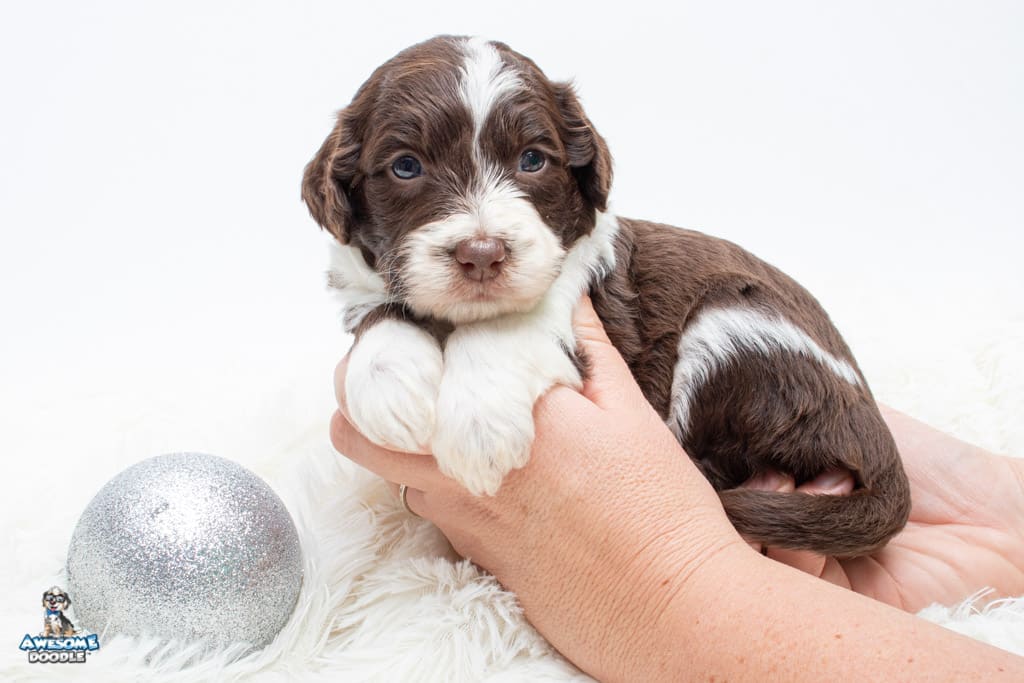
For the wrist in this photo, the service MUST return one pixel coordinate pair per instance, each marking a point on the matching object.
(662, 586)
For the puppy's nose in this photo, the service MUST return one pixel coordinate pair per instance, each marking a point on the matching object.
(480, 257)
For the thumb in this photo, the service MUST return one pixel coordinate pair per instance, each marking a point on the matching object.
(608, 382)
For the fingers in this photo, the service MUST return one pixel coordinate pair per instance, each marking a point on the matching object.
(770, 480)
(836, 482)
(610, 381)
(415, 502)
(414, 499)
(414, 469)
(804, 560)
(827, 568)
(832, 482)
(339, 385)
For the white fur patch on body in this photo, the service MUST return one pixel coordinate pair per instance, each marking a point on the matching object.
(719, 335)
(391, 386)
(495, 370)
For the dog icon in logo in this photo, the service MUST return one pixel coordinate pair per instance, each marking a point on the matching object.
(55, 623)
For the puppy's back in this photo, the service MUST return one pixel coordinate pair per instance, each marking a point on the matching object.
(749, 372)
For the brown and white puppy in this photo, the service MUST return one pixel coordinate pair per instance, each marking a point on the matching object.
(468, 195)
(55, 622)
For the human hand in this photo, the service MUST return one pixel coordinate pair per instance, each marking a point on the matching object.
(607, 522)
(966, 528)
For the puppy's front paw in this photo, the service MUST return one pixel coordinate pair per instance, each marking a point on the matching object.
(481, 436)
(391, 386)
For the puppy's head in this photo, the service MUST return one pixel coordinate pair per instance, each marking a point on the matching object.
(463, 175)
(56, 600)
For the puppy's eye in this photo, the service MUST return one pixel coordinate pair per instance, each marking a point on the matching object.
(531, 161)
(406, 168)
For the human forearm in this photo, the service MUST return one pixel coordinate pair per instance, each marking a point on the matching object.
(744, 617)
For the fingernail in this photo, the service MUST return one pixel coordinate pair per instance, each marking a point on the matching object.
(769, 480)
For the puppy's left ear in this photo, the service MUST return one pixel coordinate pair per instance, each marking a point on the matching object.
(589, 158)
(67, 600)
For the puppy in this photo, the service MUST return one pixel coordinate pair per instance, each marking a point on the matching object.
(468, 197)
(55, 623)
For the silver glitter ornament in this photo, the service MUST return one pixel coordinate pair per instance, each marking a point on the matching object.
(186, 546)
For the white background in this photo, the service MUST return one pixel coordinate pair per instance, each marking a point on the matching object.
(151, 155)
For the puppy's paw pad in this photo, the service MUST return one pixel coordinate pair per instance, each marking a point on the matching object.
(391, 385)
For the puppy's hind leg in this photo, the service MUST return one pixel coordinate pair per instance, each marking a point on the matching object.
(754, 392)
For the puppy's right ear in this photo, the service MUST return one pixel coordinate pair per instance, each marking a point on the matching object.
(328, 179)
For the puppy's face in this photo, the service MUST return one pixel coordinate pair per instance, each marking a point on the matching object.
(463, 175)
(56, 600)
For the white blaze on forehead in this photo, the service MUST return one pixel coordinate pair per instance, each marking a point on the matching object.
(486, 80)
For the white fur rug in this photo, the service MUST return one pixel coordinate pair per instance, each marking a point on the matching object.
(383, 598)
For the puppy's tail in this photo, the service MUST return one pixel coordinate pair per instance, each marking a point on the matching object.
(840, 526)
